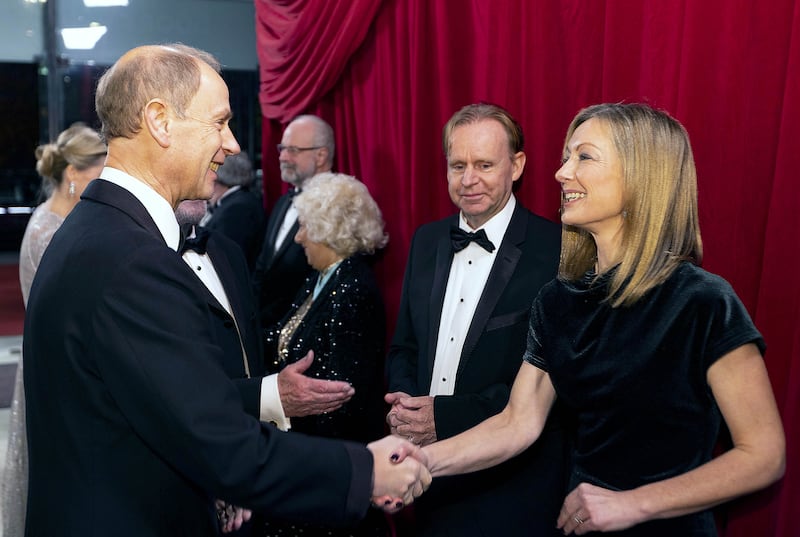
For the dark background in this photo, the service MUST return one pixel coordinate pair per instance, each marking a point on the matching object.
(24, 126)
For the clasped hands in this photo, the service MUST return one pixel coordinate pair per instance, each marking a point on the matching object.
(400, 473)
(411, 417)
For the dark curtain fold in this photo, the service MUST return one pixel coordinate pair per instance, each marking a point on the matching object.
(728, 69)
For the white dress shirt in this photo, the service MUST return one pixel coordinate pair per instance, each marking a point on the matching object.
(288, 221)
(469, 272)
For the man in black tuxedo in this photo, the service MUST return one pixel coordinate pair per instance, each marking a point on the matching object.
(306, 149)
(134, 427)
(461, 333)
(236, 211)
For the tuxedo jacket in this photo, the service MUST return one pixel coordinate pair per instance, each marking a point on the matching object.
(279, 275)
(521, 496)
(240, 217)
(134, 427)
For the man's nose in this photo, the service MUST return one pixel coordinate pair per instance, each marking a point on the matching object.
(470, 176)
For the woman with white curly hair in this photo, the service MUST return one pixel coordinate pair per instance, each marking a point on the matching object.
(338, 314)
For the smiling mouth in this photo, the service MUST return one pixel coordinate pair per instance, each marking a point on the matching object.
(214, 167)
(572, 196)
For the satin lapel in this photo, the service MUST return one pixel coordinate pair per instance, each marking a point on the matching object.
(288, 241)
(444, 258)
(281, 206)
(108, 193)
(228, 279)
(502, 270)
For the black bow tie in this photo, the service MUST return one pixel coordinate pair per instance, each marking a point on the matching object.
(196, 243)
(461, 239)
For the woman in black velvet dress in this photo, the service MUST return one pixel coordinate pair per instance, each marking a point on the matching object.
(648, 350)
(339, 315)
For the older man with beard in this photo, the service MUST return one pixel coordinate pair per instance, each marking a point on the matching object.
(306, 149)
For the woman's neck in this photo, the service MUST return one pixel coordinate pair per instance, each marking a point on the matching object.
(608, 251)
(324, 272)
(62, 203)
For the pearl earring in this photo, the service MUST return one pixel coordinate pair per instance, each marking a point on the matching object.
(72, 188)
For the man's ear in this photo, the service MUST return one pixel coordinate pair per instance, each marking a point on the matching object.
(517, 165)
(323, 154)
(157, 121)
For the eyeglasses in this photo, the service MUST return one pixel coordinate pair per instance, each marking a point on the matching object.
(294, 150)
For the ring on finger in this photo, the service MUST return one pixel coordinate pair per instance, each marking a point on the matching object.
(578, 520)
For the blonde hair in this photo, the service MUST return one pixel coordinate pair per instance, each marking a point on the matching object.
(171, 72)
(78, 145)
(659, 182)
(473, 113)
(337, 211)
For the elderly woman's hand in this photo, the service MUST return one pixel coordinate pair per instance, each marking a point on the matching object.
(304, 396)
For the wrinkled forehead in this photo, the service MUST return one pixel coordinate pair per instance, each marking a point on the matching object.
(299, 133)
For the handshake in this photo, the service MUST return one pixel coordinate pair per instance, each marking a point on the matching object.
(400, 473)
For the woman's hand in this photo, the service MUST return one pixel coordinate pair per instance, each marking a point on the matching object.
(592, 508)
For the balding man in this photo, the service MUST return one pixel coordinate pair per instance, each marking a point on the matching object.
(306, 149)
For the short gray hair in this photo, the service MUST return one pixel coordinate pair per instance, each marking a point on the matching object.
(237, 170)
(337, 211)
(323, 133)
(170, 72)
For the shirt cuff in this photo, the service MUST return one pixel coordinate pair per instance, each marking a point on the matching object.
(271, 407)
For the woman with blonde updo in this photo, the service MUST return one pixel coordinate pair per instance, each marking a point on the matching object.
(338, 314)
(66, 167)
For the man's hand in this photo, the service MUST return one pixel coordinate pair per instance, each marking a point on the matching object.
(305, 396)
(411, 417)
(396, 483)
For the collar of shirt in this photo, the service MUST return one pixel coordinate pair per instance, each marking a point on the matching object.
(323, 278)
(159, 208)
(228, 192)
(496, 226)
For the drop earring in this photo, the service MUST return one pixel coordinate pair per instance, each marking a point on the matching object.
(71, 188)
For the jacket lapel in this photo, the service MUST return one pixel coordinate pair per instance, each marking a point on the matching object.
(274, 225)
(502, 270)
(228, 279)
(288, 241)
(108, 193)
(441, 273)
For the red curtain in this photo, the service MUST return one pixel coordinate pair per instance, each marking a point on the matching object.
(387, 75)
